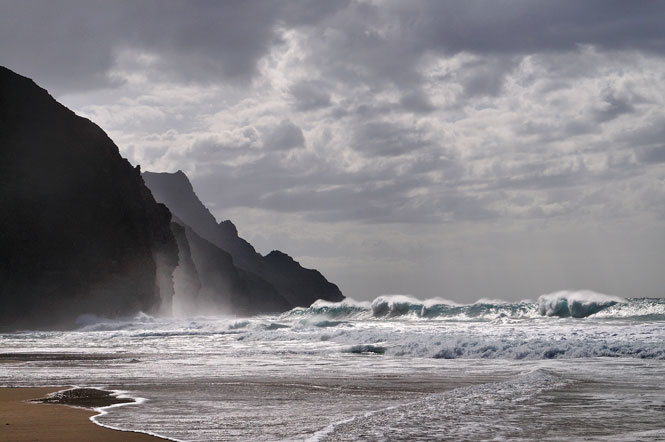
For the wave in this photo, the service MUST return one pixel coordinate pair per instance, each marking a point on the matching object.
(324, 314)
(92, 322)
(405, 307)
(578, 304)
(344, 309)
(531, 348)
(476, 412)
(561, 304)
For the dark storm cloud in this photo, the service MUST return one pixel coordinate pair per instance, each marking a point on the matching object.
(409, 189)
(373, 197)
(71, 44)
(284, 136)
(652, 154)
(66, 45)
(416, 101)
(650, 135)
(611, 108)
(203, 40)
(485, 77)
(75, 40)
(552, 131)
(371, 58)
(377, 43)
(212, 151)
(528, 26)
(600, 107)
(310, 95)
(379, 139)
(471, 123)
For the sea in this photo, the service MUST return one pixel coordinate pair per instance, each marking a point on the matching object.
(570, 365)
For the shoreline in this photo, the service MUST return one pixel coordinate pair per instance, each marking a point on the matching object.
(23, 421)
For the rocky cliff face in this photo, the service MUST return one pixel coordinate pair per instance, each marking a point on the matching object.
(296, 285)
(186, 281)
(79, 230)
(226, 288)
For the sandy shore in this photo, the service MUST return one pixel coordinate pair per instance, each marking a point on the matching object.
(24, 421)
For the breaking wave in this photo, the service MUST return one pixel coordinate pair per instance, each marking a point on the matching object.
(562, 304)
(576, 304)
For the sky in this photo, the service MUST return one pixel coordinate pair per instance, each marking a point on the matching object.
(453, 149)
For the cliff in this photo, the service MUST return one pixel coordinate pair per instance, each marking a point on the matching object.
(226, 288)
(296, 285)
(79, 230)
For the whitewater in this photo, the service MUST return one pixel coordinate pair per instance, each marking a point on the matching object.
(571, 365)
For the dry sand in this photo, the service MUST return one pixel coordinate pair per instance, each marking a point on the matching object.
(25, 421)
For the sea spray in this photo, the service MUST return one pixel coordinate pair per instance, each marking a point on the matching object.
(285, 377)
(578, 304)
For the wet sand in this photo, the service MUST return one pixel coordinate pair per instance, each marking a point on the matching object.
(21, 420)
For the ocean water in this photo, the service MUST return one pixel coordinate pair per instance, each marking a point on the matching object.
(570, 366)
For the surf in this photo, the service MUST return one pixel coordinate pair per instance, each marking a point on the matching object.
(561, 304)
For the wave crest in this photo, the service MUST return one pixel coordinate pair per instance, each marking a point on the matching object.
(407, 307)
(578, 304)
(562, 304)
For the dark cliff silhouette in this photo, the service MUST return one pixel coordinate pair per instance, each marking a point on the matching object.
(79, 230)
(295, 285)
(226, 288)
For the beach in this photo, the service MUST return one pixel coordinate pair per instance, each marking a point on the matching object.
(21, 420)
(388, 370)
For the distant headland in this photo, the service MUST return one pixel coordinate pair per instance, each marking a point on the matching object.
(81, 232)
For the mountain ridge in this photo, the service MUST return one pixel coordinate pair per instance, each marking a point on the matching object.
(79, 230)
(82, 233)
(298, 285)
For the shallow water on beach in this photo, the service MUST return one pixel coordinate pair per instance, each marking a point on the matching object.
(368, 372)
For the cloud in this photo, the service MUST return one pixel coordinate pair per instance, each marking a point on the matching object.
(382, 138)
(310, 95)
(283, 136)
(402, 124)
(197, 41)
(535, 148)
(535, 27)
(612, 107)
(652, 155)
(64, 51)
(416, 101)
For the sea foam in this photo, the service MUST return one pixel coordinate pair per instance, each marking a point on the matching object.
(475, 412)
(566, 303)
(578, 304)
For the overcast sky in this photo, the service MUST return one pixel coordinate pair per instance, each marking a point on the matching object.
(467, 149)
